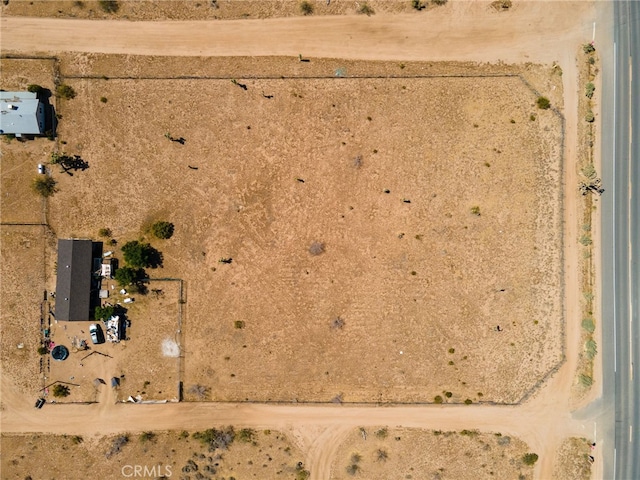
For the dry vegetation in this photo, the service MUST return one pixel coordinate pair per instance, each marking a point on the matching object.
(266, 454)
(198, 9)
(428, 454)
(406, 265)
(572, 461)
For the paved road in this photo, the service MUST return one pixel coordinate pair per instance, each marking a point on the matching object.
(621, 243)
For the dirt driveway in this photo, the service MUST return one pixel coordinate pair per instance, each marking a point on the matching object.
(531, 31)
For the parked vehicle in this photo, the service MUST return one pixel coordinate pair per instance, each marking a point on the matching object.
(40, 402)
(41, 169)
(96, 333)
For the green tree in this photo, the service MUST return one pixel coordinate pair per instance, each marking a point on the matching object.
(104, 313)
(141, 255)
(65, 91)
(33, 88)
(44, 186)
(129, 276)
(60, 391)
(162, 229)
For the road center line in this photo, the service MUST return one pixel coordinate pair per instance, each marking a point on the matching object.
(613, 159)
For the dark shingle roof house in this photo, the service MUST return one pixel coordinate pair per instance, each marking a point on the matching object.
(73, 285)
(21, 113)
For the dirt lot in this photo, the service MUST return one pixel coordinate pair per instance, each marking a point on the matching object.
(267, 454)
(196, 10)
(138, 361)
(412, 272)
(429, 454)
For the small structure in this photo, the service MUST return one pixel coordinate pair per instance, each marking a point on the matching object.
(21, 113)
(108, 267)
(73, 285)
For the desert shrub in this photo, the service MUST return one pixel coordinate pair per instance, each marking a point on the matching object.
(366, 9)
(589, 117)
(504, 440)
(44, 186)
(337, 323)
(353, 469)
(141, 255)
(43, 350)
(437, 399)
(239, 324)
(591, 348)
(502, 4)
(126, 276)
(532, 117)
(162, 229)
(61, 391)
(439, 2)
(418, 5)
(199, 391)
(109, 6)
(592, 61)
(103, 99)
(586, 240)
(147, 437)
(246, 435)
(470, 433)
(65, 91)
(452, 350)
(589, 90)
(316, 248)
(33, 88)
(77, 439)
(306, 7)
(475, 210)
(382, 455)
(543, 103)
(117, 444)
(302, 474)
(468, 401)
(356, 457)
(215, 438)
(530, 458)
(589, 171)
(585, 380)
(105, 232)
(588, 48)
(448, 394)
(382, 433)
(588, 325)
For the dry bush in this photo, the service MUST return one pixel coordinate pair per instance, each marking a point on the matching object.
(316, 248)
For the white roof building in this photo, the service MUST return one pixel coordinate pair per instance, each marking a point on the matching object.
(21, 113)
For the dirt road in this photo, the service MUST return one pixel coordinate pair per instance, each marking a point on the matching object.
(538, 32)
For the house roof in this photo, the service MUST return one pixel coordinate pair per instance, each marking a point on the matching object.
(21, 113)
(73, 285)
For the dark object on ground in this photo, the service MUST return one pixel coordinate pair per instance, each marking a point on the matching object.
(60, 352)
(40, 403)
(192, 168)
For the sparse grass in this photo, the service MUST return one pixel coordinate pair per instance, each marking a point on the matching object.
(586, 240)
(246, 435)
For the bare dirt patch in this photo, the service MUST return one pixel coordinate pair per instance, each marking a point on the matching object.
(409, 265)
(572, 460)
(266, 454)
(383, 453)
(22, 309)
